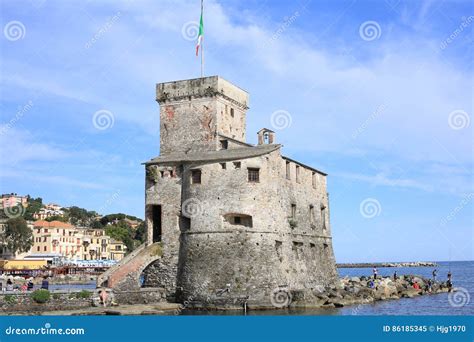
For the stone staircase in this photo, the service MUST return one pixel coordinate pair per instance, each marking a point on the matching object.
(125, 275)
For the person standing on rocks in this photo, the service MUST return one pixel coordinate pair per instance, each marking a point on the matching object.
(374, 270)
(395, 276)
(449, 283)
(435, 273)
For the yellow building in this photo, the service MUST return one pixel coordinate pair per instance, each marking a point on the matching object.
(117, 250)
(65, 240)
(56, 237)
(95, 244)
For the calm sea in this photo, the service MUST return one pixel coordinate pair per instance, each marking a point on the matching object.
(459, 303)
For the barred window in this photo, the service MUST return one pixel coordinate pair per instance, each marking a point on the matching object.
(254, 176)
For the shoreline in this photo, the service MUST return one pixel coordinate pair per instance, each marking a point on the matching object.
(387, 264)
(347, 291)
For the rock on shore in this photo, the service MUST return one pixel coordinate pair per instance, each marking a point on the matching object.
(364, 290)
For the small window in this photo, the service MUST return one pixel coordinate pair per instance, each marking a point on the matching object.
(279, 249)
(232, 112)
(239, 219)
(44, 248)
(313, 177)
(224, 144)
(196, 176)
(223, 166)
(323, 216)
(254, 175)
(38, 248)
(311, 214)
(297, 173)
(293, 211)
(287, 170)
(237, 165)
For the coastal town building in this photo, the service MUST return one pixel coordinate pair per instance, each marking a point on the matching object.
(72, 242)
(58, 239)
(45, 213)
(12, 200)
(232, 221)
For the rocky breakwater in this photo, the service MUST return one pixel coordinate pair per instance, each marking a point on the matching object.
(388, 264)
(364, 290)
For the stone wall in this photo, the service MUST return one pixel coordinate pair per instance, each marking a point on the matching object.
(140, 296)
(225, 263)
(22, 302)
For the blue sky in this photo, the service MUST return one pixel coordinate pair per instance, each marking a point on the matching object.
(379, 94)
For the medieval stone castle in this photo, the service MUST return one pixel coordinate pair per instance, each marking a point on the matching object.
(234, 221)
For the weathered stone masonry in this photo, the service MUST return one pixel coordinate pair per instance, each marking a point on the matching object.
(235, 221)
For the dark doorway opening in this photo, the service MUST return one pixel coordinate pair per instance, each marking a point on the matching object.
(156, 221)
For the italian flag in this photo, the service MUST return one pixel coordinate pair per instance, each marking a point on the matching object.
(201, 31)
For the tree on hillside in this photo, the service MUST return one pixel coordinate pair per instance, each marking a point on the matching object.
(121, 232)
(64, 218)
(140, 232)
(96, 224)
(18, 238)
(34, 205)
(112, 218)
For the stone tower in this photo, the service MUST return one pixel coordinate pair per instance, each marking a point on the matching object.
(194, 112)
(237, 222)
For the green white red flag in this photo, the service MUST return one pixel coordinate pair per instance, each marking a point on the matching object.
(200, 35)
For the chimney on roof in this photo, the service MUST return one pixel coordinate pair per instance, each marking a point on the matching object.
(266, 136)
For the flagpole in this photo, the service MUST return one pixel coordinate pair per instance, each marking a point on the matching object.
(202, 42)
